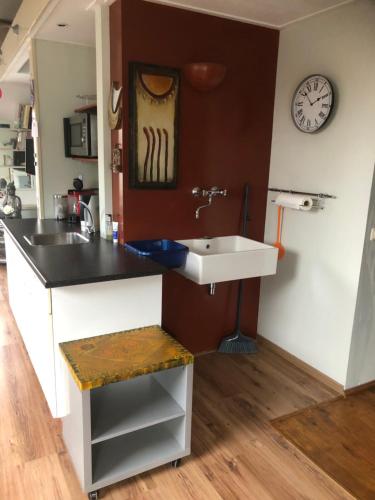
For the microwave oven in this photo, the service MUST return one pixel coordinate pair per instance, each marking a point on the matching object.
(81, 135)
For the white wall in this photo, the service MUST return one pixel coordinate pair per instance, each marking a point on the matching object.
(62, 71)
(308, 307)
(13, 95)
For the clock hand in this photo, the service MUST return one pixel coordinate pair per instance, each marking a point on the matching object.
(318, 99)
(308, 98)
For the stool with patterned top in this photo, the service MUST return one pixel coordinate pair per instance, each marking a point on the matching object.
(130, 399)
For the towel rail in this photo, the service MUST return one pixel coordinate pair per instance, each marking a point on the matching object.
(290, 191)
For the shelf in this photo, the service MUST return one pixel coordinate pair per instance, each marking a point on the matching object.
(84, 159)
(13, 166)
(128, 406)
(88, 108)
(15, 130)
(133, 453)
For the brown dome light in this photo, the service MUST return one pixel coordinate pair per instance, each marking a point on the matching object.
(204, 76)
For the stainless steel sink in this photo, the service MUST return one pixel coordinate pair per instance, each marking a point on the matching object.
(71, 238)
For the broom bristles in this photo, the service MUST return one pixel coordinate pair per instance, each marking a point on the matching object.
(237, 343)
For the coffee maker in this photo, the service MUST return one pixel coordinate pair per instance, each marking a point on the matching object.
(74, 196)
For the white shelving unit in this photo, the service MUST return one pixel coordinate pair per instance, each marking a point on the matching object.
(125, 428)
(133, 453)
(150, 404)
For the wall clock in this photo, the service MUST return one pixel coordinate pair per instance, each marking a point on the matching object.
(312, 103)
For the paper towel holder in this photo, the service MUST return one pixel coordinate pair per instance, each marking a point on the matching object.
(316, 197)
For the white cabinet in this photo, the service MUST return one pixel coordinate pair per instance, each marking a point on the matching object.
(122, 429)
(46, 317)
(31, 306)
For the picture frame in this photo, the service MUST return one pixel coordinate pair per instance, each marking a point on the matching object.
(153, 128)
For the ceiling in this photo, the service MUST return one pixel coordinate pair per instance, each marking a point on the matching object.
(8, 10)
(276, 14)
(80, 22)
(272, 13)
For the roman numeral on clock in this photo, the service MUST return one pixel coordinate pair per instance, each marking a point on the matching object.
(322, 115)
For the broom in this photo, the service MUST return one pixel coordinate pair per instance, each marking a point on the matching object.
(237, 342)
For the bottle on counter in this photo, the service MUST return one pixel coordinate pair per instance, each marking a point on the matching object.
(60, 205)
(115, 232)
(108, 226)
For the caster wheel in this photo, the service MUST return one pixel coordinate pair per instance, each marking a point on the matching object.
(93, 495)
(176, 463)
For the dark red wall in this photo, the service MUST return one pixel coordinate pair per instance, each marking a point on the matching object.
(225, 140)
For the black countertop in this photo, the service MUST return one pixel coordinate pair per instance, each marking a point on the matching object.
(65, 265)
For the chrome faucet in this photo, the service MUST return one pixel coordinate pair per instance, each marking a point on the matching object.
(89, 227)
(207, 193)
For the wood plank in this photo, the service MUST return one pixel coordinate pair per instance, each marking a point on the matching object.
(236, 453)
(339, 436)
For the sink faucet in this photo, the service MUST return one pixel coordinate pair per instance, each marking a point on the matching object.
(90, 227)
(207, 193)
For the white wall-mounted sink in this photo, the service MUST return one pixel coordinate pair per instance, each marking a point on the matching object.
(226, 258)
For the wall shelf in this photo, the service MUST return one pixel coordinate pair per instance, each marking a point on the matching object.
(89, 108)
(12, 150)
(84, 159)
(13, 166)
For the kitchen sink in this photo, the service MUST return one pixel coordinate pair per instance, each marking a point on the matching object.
(71, 238)
(227, 258)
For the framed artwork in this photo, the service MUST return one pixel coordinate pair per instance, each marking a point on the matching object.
(153, 110)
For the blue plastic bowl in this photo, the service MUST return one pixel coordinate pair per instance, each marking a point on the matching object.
(169, 253)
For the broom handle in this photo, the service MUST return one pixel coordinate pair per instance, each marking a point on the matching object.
(245, 211)
(244, 233)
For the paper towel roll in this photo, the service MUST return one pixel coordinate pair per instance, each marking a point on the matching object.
(294, 201)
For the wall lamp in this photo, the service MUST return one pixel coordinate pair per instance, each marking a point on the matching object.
(204, 76)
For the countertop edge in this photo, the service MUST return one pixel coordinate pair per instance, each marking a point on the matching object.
(102, 279)
(50, 283)
(27, 257)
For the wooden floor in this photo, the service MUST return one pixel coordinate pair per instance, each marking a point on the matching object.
(339, 436)
(236, 453)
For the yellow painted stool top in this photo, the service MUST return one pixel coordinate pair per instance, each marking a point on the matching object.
(98, 361)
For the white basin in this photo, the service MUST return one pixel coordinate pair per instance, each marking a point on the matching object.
(227, 258)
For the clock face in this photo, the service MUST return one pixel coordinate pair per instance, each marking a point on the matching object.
(312, 103)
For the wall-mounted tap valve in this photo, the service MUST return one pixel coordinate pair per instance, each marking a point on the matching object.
(207, 193)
